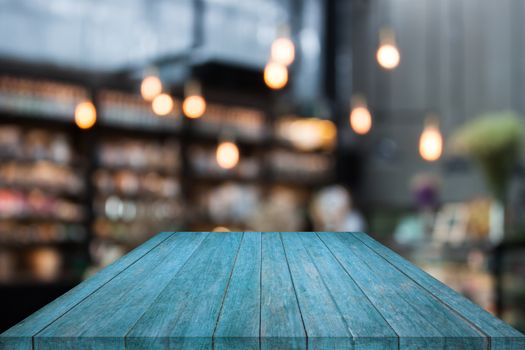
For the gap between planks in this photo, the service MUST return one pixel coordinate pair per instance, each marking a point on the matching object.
(294, 289)
(226, 291)
(359, 287)
(174, 276)
(98, 288)
(430, 293)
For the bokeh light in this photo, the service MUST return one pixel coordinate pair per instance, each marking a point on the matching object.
(310, 134)
(85, 115)
(150, 87)
(283, 51)
(227, 155)
(275, 75)
(431, 143)
(361, 120)
(194, 106)
(388, 56)
(162, 104)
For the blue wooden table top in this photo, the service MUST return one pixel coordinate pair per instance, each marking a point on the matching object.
(253, 290)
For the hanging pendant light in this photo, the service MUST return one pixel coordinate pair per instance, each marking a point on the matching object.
(151, 85)
(194, 104)
(85, 115)
(162, 105)
(282, 54)
(360, 117)
(227, 154)
(283, 48)
(431, 140)
(283, 51)
(387, 54)
(275, 75)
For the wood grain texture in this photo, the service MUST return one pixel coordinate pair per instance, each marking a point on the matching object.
(367, 326)
(185, 313)
(281, 321)
(104, 319)
(20, 336)
(501, 335)
(271, 290)
(240, 319)
(420, 320)
(324, 324)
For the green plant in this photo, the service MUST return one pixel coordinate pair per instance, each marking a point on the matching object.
(494, 140)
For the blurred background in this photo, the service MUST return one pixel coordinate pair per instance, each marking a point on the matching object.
(123, 118)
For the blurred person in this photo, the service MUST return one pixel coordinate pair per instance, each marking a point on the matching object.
(331, 210)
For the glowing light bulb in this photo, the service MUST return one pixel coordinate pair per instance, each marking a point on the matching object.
(310, 134)
(85, 115)
(283, 51)
(194, 106)
(360, 117)
(361, 120)
(162, 104)
(388, 56)
(150, 87)
(227, 155)
(431, 142)
(275, 75)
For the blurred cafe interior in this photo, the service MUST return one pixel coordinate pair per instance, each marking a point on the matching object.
(404, 119)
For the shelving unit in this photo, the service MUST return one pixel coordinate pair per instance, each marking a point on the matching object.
(137, 189)
(42, 204)
(135, 174)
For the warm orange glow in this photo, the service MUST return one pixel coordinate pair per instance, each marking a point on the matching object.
(361, 120)
(221, 229)
(194, 106)
(283, 51)
(162, 104)
(85, 115)
(310, 134)
(227, 155)
(388, 56)
(431, 143)
(151, 87)
(275, 75)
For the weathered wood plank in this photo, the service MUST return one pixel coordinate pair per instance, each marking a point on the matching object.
(367, 326)
(501, 335)
(281, 322)
(325, 326)
(103, 319)
(262, 291)
(20, 336)
(185, 313)
(418, 318)
(239, 322)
